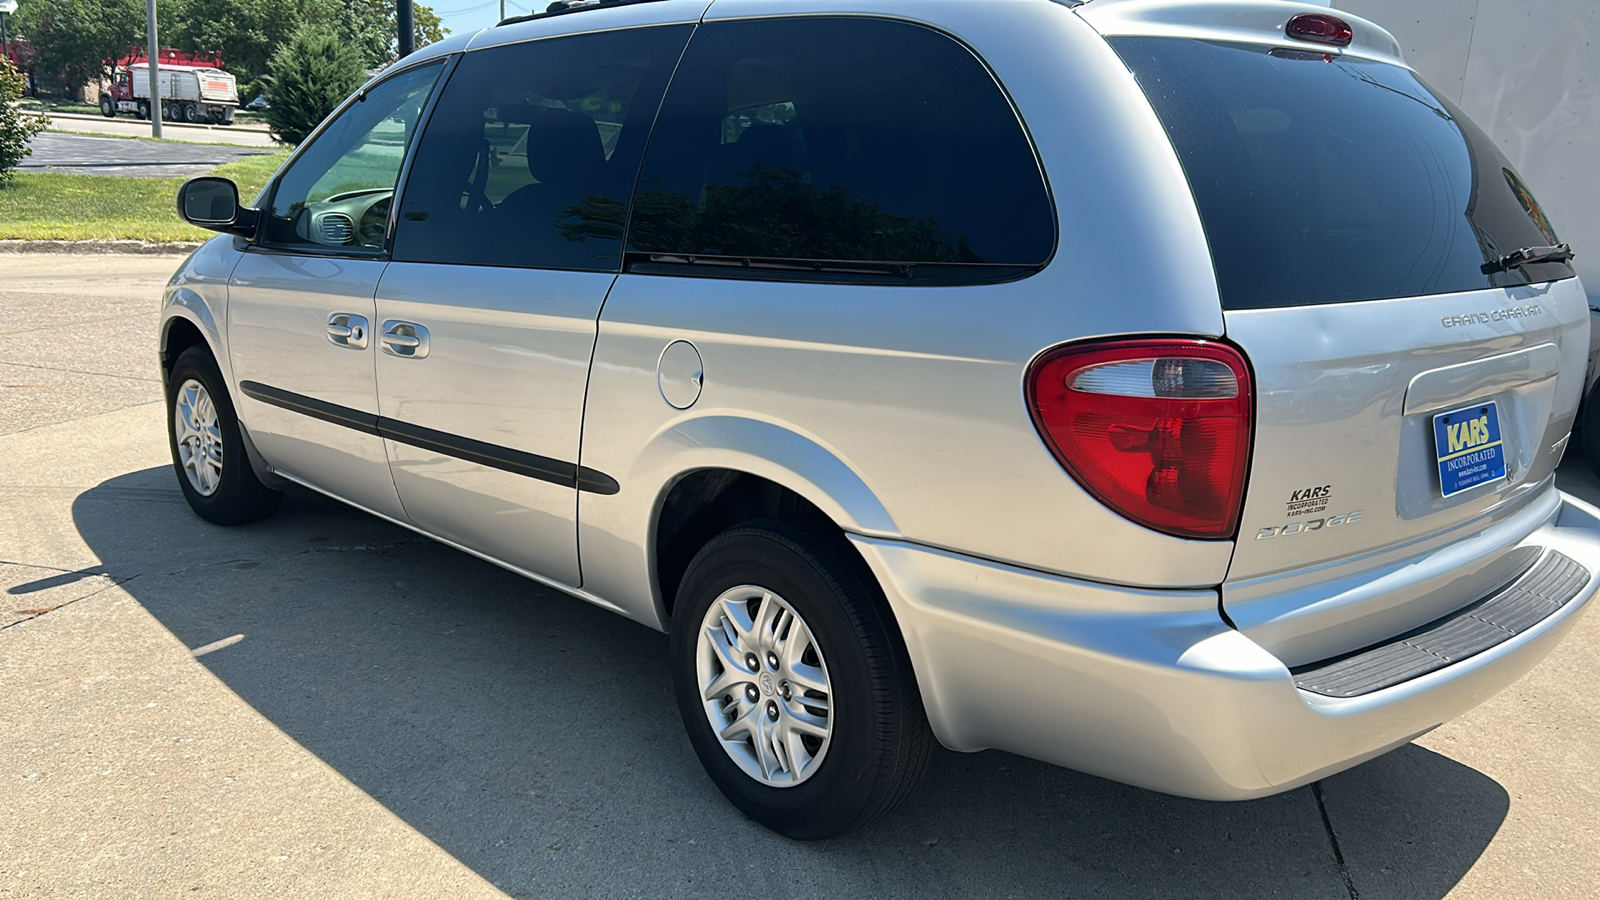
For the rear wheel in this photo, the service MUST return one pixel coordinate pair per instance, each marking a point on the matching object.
(207, 448)
(107, 108)
(792, 682)
(1589, 426)
(190, 114)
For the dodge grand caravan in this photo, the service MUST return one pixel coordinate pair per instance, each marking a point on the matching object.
(1168, 390)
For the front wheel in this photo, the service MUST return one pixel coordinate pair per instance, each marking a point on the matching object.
(207, 447)
(792, 681)
(107, 108)
(143, 111)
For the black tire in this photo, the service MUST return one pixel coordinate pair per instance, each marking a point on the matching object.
(143, 110)
(240, 497)
(1589, 429)
(880, 744)
(190, 114)
(107, 109)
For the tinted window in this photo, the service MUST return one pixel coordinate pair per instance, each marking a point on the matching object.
(835, 140)
(1327, 181)
(338, 191)
(532, 151)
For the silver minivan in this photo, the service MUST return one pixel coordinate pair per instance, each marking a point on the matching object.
(1168, 390)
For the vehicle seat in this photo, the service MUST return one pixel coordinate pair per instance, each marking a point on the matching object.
(565, 155)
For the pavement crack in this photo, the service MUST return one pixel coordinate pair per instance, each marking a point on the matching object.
(40, 613)
(82, 372)
(1333, 841)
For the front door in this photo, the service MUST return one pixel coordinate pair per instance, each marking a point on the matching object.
(508, 239)
(300, 312)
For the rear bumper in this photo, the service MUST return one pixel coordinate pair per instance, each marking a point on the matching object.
(1153, 688)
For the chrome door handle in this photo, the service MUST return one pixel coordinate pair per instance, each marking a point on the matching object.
(407, 340)
(347, 330)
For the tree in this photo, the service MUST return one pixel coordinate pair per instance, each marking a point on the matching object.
(311, 76)
(372, 27)
(76, 41)
(248, 32)
(16, 126)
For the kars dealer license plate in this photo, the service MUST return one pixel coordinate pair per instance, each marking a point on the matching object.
(1467, 445)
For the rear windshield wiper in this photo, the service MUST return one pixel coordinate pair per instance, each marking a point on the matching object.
(1528, 255)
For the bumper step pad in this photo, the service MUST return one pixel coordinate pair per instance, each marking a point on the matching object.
(1503, 614)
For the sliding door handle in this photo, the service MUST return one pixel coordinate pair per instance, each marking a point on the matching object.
(407, 340)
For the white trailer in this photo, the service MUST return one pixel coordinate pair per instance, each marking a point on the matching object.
(187, 94)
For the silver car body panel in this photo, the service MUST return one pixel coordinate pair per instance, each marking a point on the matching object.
(508, 365)
(1345, 399)
(278, 311)
(1151, 689)
(1234, 21)
(1038, 620)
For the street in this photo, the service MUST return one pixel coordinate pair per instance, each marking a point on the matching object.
(126, 126)
(85, 155)
(326, 705)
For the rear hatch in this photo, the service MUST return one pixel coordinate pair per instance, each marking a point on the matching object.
(1413, 384)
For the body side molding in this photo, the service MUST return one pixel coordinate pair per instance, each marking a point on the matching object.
(506, 459)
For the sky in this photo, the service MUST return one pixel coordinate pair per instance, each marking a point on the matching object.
(466, 16)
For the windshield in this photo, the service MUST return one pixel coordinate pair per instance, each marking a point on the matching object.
(1322, 179)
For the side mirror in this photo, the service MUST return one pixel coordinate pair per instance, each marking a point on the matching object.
(213, 203)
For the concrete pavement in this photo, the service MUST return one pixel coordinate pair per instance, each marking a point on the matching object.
(327, 705)
(85, 155)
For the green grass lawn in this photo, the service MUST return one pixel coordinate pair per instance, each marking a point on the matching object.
(63, 206)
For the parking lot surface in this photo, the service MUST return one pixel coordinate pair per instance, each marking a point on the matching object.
(87, 155)
(327, 705)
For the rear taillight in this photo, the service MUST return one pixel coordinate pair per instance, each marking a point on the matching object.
(1158, 430)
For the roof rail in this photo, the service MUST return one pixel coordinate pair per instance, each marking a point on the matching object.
(562, 7)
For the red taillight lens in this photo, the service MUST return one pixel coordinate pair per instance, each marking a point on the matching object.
(1320, 29)
(1158, 430)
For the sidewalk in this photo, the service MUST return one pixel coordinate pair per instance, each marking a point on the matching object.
(129, 127)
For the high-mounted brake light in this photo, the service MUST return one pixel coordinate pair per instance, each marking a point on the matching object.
(1320, 29)
(1158, 430)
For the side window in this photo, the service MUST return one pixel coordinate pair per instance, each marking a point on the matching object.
(835, 145)
(338, 192)
(533, 151)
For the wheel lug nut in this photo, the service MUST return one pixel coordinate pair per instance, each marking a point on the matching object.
(785, 690)
(751, 693)
(751, 661)
(772, 711)
(772, 660)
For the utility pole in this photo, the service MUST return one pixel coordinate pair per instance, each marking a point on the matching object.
(408, 33)
(8, 7)
(152, 50)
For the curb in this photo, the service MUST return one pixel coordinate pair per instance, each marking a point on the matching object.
(87, 117)
(11, 245)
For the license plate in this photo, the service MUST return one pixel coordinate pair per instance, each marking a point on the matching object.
(1467, 445)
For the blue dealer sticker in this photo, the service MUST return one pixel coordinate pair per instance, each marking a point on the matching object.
(1467, 445)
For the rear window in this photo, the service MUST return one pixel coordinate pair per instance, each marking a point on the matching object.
(1327, 179)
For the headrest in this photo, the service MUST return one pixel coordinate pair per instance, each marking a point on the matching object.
(562, 145)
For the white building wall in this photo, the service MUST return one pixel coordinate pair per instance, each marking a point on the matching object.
(1528, 72)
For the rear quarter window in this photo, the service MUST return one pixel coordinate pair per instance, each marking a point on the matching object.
(1326, 179)
(822, 147)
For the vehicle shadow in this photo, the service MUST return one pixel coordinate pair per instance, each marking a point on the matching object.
(535, 738)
